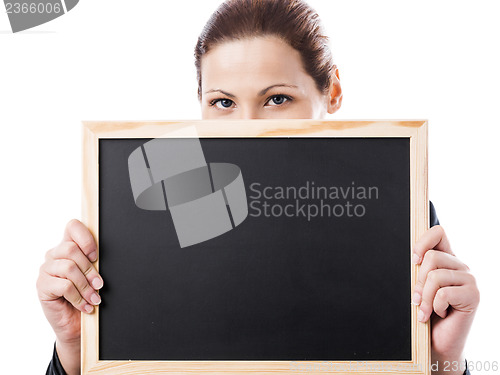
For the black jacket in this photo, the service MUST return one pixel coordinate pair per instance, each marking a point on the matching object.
(55, 367)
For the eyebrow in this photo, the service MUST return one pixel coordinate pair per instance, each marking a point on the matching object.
(261, 92)
(219, 90)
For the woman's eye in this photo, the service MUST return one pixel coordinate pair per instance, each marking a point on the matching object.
(278, 99)
(224, 103)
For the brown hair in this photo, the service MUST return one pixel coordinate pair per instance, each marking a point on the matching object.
(294, 21)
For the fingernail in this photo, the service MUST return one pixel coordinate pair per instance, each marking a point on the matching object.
(93, 256)
(95, 299)
(97, 283)
(417, 298)
(88, 308)
(420, 316)
(415, 259)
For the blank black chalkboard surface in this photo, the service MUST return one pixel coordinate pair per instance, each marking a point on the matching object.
(255, 246)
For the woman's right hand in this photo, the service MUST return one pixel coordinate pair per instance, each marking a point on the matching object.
(67, 285)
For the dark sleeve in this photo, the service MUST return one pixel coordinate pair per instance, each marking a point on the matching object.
(55, 367)
(432, 214)
(466, 372)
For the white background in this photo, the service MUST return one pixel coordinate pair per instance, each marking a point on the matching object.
(133, 60)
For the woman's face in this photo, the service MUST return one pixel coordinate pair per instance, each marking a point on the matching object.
(261, 78)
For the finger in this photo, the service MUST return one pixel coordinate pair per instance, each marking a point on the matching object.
(70, 250)
(76, 231)
(67, 269)
(435, 259)
(462, 298)
(441, 303)
(435, 280)
(434, 238)
(64, 288)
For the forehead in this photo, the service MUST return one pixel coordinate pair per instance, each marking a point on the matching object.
(252, 63)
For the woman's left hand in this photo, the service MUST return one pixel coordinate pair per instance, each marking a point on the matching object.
(446, 292)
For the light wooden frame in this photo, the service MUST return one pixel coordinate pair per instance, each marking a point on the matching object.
(415, 130)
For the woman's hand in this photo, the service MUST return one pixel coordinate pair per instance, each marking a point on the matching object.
(67, 285)
(446, 292)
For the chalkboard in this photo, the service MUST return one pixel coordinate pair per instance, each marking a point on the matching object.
(318, 269)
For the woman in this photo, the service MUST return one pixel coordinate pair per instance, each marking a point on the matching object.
(263, 59)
